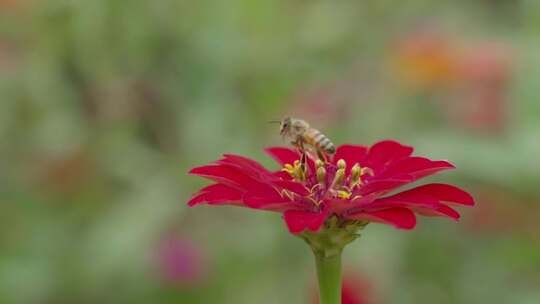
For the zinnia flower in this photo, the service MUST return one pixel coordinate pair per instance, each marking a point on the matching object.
(352, 188)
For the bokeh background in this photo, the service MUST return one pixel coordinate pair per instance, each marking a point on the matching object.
(105, 105)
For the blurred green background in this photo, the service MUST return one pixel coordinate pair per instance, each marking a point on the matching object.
(105, 105)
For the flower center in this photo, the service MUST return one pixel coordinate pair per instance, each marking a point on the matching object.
(328, 180)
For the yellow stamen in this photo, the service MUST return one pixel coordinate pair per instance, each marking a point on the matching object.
(319, 163)
(341, 164)
(355, 171)
(355, 175)
(289, 169)
(295, 171)
(338, 179)
(321, 175)
(299, 170)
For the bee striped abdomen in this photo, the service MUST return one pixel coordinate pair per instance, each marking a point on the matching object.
(320, 141)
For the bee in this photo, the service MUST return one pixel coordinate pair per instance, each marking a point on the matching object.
(300, 133)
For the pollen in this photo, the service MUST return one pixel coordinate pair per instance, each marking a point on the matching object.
(289, 169)
(296, 170)
(299, 168)
(343, 194)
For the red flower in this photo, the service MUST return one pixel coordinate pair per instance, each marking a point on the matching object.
(353, 185)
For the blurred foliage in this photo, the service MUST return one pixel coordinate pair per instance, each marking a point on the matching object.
(107, 104)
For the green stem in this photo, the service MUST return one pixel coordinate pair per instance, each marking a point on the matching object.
(329, 274)
(327, 245)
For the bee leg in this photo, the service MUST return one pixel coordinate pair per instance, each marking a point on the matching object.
(322, 156)
(297, 144)
(303, 159)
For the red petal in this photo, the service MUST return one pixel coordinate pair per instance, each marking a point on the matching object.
(418, 167)
(298, 221)
(351, 154)
(244, 161)
(216, 194)
(247, 165)
(219, 188)
(441, 210)
(442, 192)
(401, 218)
(386, 152)
(384, 185)
(292, 186)
(259, 200)
(230, 176)
(197, 199)
(340, 206)
(424, 205)
(283, 175)
(426, 200)
(283, 155)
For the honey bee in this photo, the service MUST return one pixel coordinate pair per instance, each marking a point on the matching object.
(300, 133)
